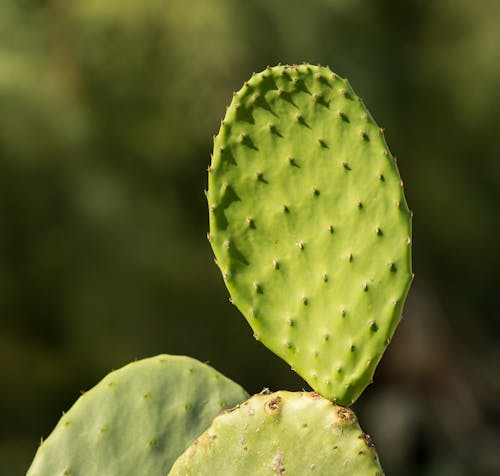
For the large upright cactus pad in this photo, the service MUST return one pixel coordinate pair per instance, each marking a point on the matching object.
(284, 434)
(310, 226)
(137, 420)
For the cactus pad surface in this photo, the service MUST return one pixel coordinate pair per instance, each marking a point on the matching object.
(310, 226)
(283, 433)
(137, 420)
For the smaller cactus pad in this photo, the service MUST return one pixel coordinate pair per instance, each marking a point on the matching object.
(283, 433)
(137, 420)
(310, 226)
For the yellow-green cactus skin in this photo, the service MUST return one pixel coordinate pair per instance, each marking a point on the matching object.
(285, 434)
(310, 226)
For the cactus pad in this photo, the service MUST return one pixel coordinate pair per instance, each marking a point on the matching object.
(137, 420)
(310, 226)
(283, 433)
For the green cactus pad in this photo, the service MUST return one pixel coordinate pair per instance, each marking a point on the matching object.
(137, 420)
(284, 433)
(310, 226)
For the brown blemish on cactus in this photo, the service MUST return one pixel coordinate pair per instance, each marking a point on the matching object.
(369, 443)
(273, 406)
(278, 464)
(204, 442)
(346, 416)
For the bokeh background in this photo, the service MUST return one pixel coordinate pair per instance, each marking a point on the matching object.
(107, 111)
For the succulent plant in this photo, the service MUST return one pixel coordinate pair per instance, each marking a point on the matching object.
(309, 225)
(137, 420)
(282, 433)
(312, 233)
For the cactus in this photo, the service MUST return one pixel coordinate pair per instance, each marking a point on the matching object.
(137, 420)
(309, 225)
(282, 433)
(312, 233)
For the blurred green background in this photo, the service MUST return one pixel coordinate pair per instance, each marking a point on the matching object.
(107, 111)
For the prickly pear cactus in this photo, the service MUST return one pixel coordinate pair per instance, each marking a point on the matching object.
(137, 420)
(283, 433)
(310, 226)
